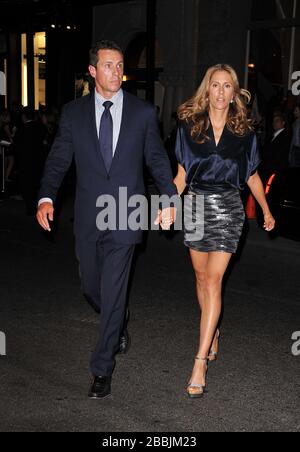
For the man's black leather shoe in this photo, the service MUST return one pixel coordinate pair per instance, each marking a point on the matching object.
(100, 388)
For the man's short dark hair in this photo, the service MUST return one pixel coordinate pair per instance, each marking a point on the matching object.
(102, 45)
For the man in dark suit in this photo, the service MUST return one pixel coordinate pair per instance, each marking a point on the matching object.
(276, 151)
(111, 134)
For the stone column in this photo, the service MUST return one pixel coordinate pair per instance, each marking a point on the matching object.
(30, 69)
(178, 35)
(223, 33)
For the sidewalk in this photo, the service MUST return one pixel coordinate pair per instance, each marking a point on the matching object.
(51, 331)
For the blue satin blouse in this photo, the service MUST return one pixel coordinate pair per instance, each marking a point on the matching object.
(228, 165)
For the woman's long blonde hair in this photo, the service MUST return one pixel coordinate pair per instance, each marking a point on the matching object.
(196, 110)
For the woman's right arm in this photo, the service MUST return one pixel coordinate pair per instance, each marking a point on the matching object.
(179, 180)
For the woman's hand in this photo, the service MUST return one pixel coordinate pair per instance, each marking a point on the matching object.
(165, 218)
(269, 223)
(256, 186)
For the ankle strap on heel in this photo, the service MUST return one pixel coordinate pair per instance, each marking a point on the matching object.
(201, 359)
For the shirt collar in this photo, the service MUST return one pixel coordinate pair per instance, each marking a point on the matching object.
(116, 99)
(278, 132)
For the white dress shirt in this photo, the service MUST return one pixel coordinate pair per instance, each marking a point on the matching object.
(116, 111)
(276, 134)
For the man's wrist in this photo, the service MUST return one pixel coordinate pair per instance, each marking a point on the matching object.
(43, 200)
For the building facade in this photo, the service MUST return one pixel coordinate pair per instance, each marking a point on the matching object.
(168, 46)
(190, 36)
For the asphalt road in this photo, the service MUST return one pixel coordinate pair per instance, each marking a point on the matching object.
(50, 332)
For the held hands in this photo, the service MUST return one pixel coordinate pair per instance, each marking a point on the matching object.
(269, 222)
(45, 214)
(166, 218)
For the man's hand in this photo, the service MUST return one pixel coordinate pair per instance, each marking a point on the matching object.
(166, 218)
(45, 214)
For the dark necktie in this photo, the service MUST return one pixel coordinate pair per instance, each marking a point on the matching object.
(106, 135)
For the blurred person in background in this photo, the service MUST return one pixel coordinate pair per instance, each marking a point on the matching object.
(49, 119)
(277, 148)
(295, 147)
(7, 135)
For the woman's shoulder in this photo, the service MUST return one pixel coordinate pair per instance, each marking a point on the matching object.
(183, 124)
(185, 127)
(249, 135)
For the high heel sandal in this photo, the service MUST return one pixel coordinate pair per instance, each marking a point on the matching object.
(213, 354)
(195, 390)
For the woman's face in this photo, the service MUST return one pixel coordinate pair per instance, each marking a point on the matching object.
(221, 90)
(6, 118)
(297, 112)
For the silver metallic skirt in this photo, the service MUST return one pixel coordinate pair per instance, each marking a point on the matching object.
(213, 222)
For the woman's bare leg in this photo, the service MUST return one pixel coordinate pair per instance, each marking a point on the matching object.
(200, 261)
(209, 288)
(9, 164)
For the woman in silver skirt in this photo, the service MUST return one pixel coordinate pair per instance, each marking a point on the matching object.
(218, 155)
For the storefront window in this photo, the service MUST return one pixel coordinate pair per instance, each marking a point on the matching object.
(39, 70)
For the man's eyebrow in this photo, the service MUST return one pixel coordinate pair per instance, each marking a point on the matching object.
(112, 62)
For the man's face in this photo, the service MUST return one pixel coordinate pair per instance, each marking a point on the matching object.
(278, 124)
(109, 72)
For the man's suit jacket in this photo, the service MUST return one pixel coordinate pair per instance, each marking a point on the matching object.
(139, 143)
(276, 154)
